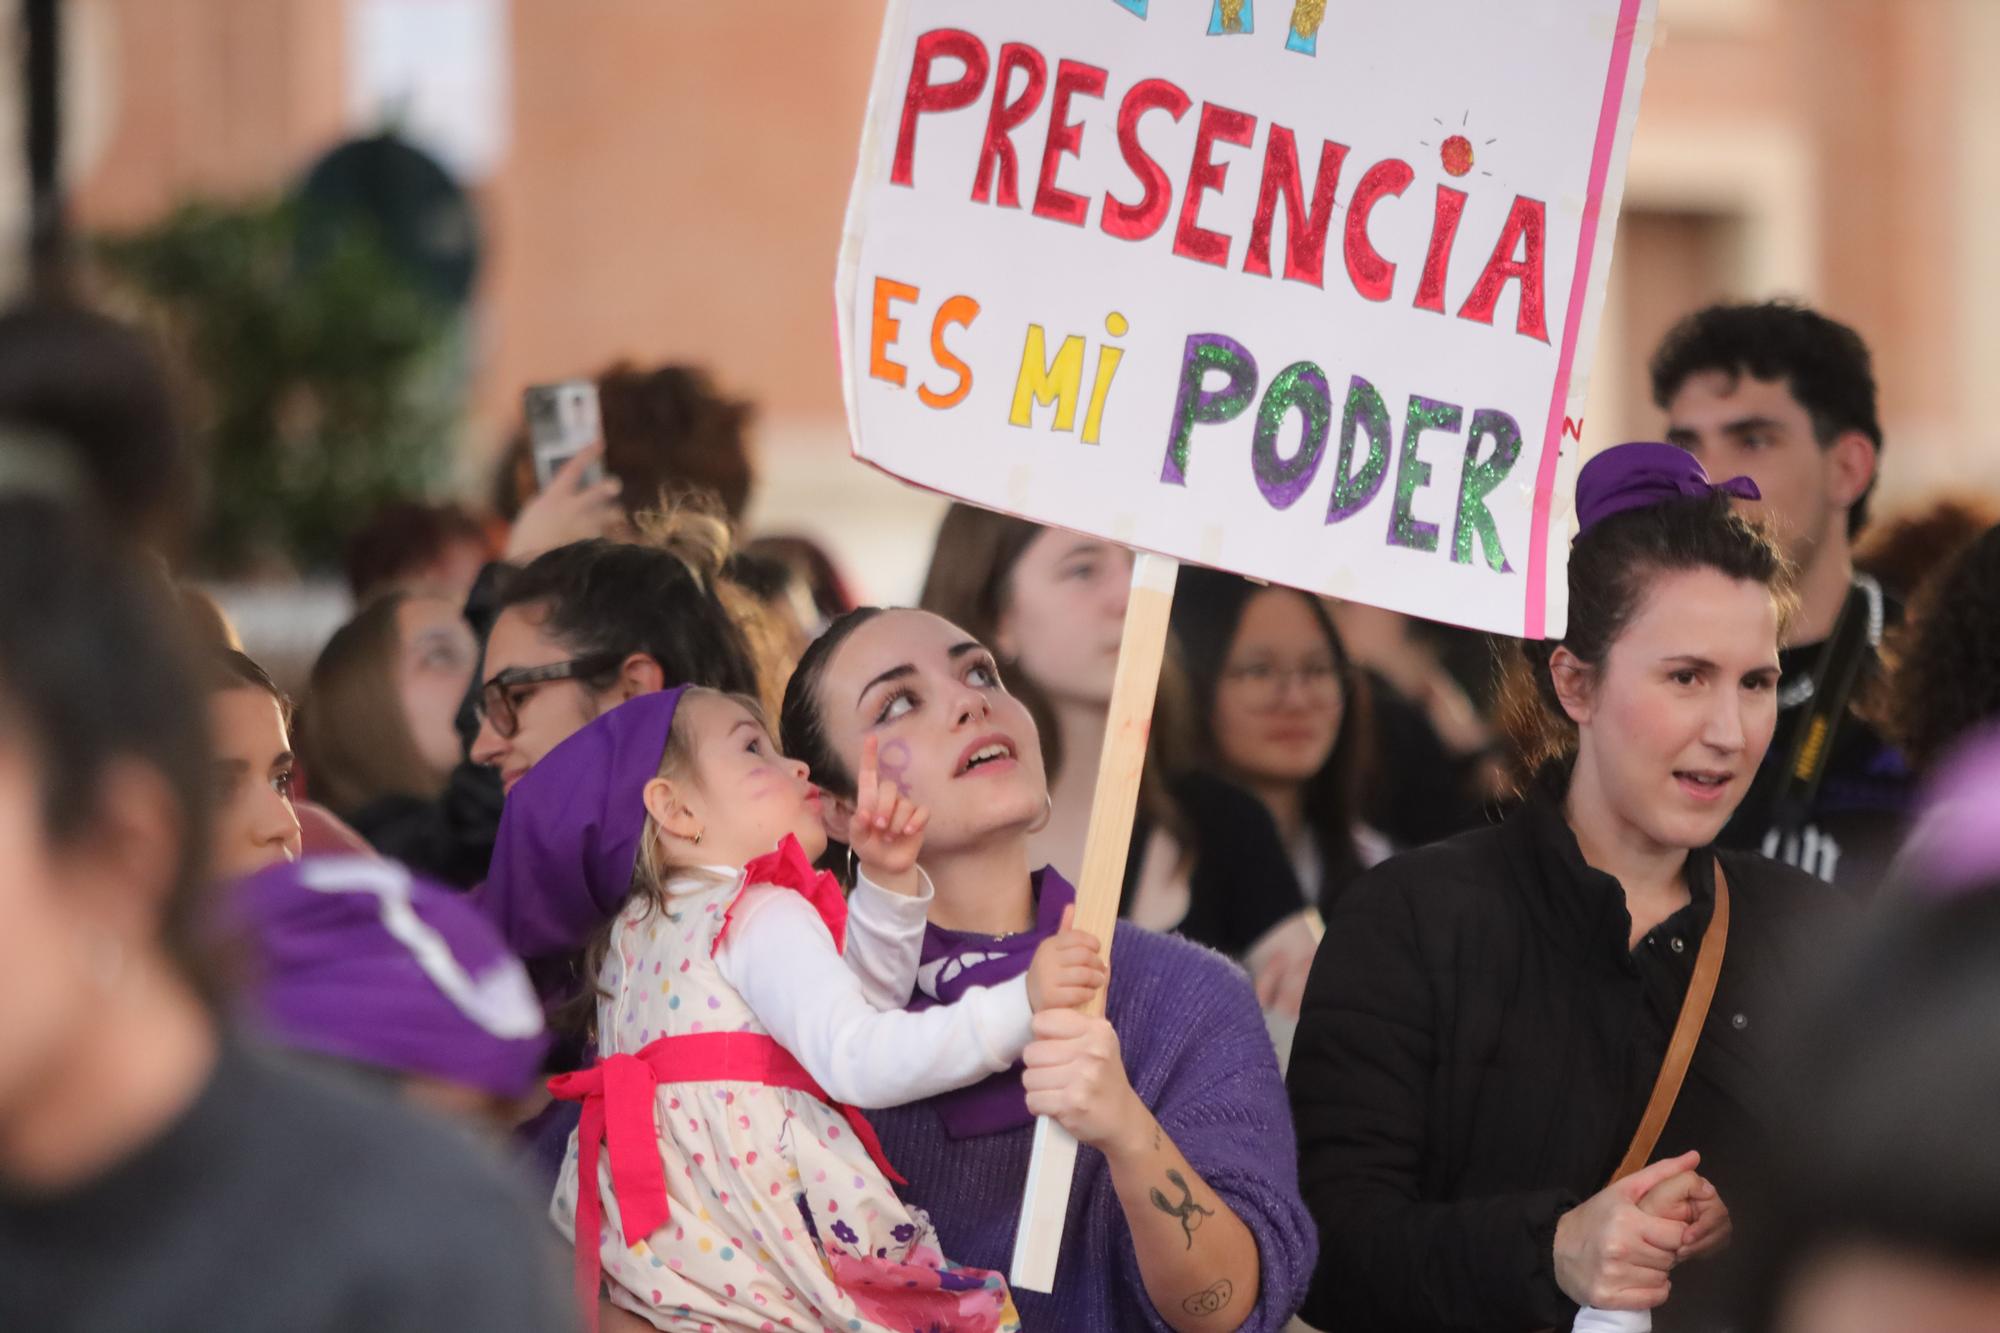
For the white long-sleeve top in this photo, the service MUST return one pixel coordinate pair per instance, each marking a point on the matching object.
(885, 938)
(828, 1011)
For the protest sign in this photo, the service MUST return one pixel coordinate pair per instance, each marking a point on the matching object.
(1313, 308)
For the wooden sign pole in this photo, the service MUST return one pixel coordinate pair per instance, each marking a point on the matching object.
(1045, 1201)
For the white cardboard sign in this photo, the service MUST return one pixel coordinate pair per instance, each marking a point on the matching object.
(1298, 288)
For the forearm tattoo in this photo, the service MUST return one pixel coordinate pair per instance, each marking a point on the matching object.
(1187, 1210)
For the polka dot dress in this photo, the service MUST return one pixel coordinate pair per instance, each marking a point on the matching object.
(778, 1217)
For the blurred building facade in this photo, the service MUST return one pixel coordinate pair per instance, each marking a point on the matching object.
(667, 180)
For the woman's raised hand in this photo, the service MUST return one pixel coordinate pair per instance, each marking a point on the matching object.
(1611, 1253)
(887, 830)
(566, 510)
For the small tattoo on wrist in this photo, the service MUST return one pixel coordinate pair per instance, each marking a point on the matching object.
(1210, 1300)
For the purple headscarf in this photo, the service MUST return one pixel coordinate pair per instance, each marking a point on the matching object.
(569, 835)
(1633, 476)
(954, 962)
(357, 959)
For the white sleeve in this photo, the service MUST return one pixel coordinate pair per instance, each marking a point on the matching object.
(780, 958)
(885, 938)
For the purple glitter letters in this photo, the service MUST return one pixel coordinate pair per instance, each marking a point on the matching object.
(1205, 352)
(1302, 385)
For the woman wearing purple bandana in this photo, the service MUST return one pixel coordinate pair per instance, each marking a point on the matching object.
(1187, 1216)
(1487, 1016)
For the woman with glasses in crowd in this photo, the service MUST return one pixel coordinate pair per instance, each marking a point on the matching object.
(1278, 712)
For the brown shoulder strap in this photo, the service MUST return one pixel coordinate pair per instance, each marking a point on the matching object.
(1687, 1031)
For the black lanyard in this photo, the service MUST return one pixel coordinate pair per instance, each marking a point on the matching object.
(1834, 677)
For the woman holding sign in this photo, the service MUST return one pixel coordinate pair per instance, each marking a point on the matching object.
(1500, 1024)
(1179, 1219)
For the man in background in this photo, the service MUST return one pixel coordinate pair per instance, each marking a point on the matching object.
(1786, 396)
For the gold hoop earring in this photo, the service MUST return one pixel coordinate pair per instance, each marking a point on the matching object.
(1048, 813)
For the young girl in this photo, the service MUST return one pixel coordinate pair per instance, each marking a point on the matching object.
(741, 1188)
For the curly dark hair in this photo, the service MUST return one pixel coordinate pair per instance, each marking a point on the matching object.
(1823, 363)
(667, 430)
(1949, 678)
(403, 537)
(1915, 547)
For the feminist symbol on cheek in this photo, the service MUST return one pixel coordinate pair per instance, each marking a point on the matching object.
(892, 762)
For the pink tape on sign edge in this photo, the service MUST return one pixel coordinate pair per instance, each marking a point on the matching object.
(1535, 611)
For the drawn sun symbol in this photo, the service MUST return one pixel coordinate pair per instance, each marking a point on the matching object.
(1455, 154)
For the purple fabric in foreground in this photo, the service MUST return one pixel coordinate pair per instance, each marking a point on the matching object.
(569, 835)
(1633, 476)
(355, 958)
(1954, 844)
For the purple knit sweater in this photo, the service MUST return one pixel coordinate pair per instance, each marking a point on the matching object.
(1197, 1053)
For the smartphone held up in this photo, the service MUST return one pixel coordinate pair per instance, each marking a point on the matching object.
(563, 420)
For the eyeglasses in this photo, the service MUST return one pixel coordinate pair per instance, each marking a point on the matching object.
(1262, 684)
(498, 705)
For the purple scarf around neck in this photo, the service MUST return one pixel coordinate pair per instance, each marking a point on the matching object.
(954, 962)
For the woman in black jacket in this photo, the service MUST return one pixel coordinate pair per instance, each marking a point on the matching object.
(1487, 1016)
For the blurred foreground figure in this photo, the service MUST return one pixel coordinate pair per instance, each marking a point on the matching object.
(87, 420)
(1889, 1188)
(156, 1173)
